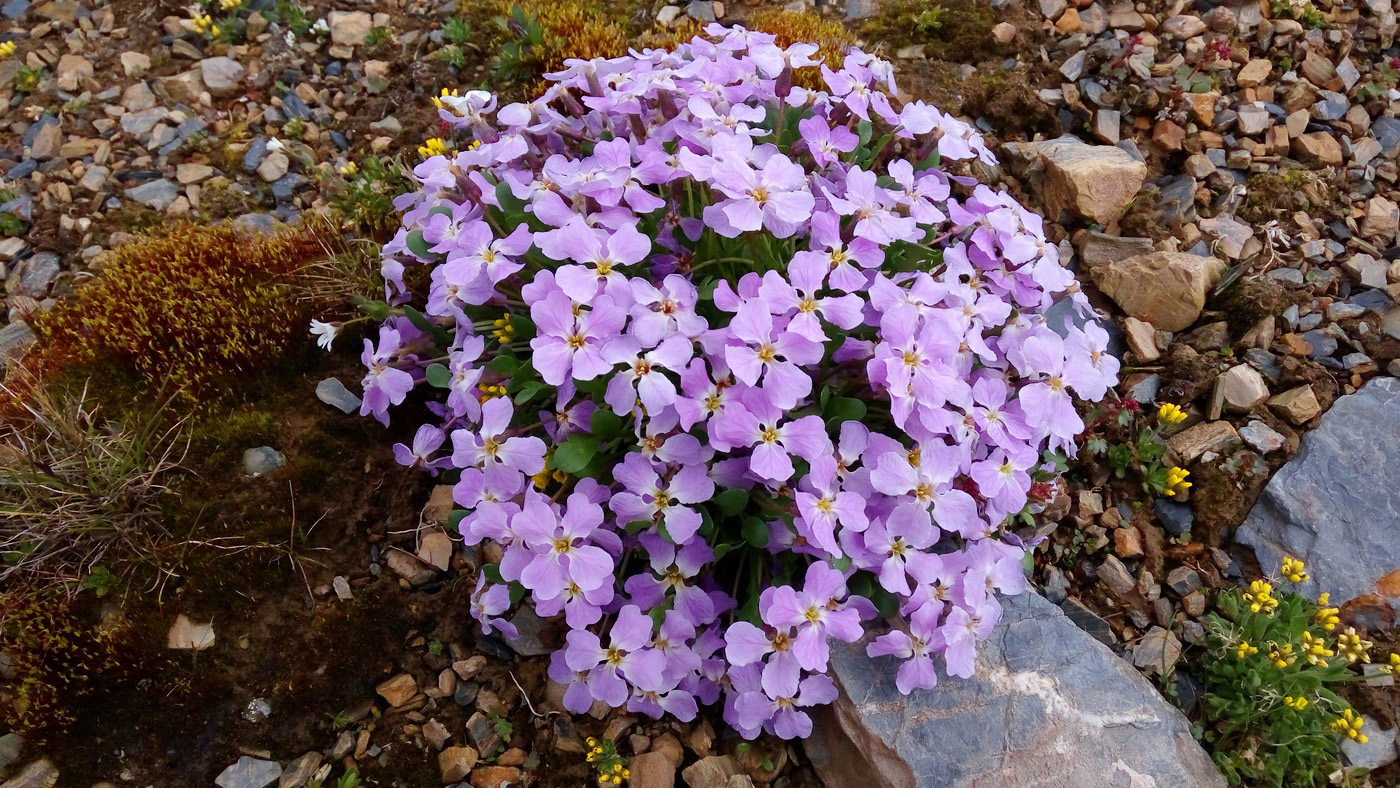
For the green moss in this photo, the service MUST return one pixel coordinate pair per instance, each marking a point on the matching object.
(954, 30)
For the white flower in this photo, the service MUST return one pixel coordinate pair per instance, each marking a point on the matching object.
(290, 38)
(275, 144)
(325, 333)
(321, 28)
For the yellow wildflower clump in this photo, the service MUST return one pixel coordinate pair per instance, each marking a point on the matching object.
(1352, 646)
(1282, 655)
(1244, 649)
(1297, 704)
(1176, 481)
(432, 147)
(1349, 725)
(1293, 570)
(7, 48)
(1316, 650)
(1260, 597)
(1170, 413)
(1326, 616)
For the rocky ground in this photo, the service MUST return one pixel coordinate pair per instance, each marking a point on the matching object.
(1223, 177)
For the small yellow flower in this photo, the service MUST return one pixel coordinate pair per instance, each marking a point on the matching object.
(1260, 597)
(1245, 650)
(490, 391)
(7, 48)
(1392, 665)
(1293, 570)
(474, 144)
(432, 147)
(560, 476)
(214, 30)
(202, 24)
(349, 168)
(440, 104)
(1353, 647)
(229, 5)
(1349, 725)
(1297, 704)
(1170, 414)
(503, 331)
(1326, 616)
(1316, 650)
(1176, 481)
(1282, 656)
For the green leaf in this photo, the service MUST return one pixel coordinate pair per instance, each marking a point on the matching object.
(415, 243)
(455, 518)
(842, 409)
(505, 363)
(731, 502)
(493, 573)
(377, 310)
(605, 423)
(755, 532)
(574, 454)
(439, 376)
(529, 390)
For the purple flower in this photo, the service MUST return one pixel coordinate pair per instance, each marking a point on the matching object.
(915, 648)
(814, 613)
(489, 446)
(642, 377)
(563, 558)
(783, 715)
(570, 343)
(647, 497)
(808, 276)
(773, 196)
(772, 442)
(626, 659)
(822, 506)
(427, 440)
(824, 142)
(771, 356)
(383, 385)
(601, 255)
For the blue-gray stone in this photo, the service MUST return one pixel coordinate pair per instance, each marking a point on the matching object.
(157, 195)
(262, 460)
(332, 392)
(24, 169)
(1375, 300)
(32, 132)
(1336, 505)
(339, 140)
(294, 106)
(1174, 517)
(1048, 705)
(249, 772)
(1323, 344)
(1265, 362)
(255, 223)
(38, 274)
(1145, 390)
(14, 9)
(254, 155)
(1387, 131)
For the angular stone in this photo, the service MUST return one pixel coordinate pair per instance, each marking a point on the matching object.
(349, 28)
(456, 763)
(1166, 289)
(135, 63)
(193, 173)
(1157, 652)
(15, 340)
(1242, 388)
(274, 166)
(711, 771)
(1077, 714)
(1297, 405)
(72, 72)
(398, 690)
(1336, 505)
(1183, 26)
(184, 87)
(436, 549)
(249, 772)
(222, 75)
(1318, 148)
(1077, 180)
(39, 774)
(1100, 248)
(1382, 219)
(187, 635)
(1192, 442)
(155, 194)
(1254, 73)
(1142, 339)
(301, 770)
(332, 392)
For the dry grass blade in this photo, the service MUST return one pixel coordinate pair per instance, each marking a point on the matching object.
(75, 486)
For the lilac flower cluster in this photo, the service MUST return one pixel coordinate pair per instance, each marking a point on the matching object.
(729, 367)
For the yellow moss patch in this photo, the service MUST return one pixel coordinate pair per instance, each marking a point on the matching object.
(186, 308)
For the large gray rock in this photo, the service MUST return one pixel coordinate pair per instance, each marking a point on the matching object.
(1075, 180)
(1336, 505)
(1048, 706)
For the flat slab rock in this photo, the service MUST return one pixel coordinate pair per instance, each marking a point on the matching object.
(1336, 505)
(1048, 707)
